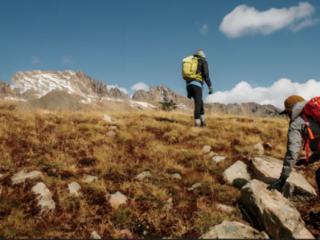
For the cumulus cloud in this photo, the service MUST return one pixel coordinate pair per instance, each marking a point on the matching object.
(140, 86)
(248, 20)
(204, 30)
(120, 88)
(274, 94)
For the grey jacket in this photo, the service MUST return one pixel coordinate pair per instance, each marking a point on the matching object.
(297, 131)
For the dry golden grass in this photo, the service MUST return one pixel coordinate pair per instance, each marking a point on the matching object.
(66, 146)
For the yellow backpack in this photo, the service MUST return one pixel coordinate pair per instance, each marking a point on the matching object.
(189, 68)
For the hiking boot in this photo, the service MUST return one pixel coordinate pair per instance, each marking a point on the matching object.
(203, 121)
(197, 123)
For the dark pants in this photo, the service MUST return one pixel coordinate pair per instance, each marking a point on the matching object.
(195, 92)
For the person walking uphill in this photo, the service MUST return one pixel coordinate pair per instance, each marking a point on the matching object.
(304, 127)
(195, 71)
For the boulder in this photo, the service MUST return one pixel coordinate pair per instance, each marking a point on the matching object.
(272, 212)
(74, 189)
(237, 174)
(117, 199)
(267, 169)
(217, 159)
(44, 197)
(23, 175)
(143, 175)
(233, 230)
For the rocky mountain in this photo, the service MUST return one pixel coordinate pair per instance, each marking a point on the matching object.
(158, 94)
(250, 108)
(39, 83)
(71, 90)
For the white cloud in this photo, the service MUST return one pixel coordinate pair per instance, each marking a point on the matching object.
(120, 88)
(140, 86)
(274, 94)
(248, 20)
(204, 30)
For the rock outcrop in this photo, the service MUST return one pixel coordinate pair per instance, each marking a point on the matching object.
(272, 212)
(268, 169)
(233, 230)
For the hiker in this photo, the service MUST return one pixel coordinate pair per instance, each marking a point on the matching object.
(195, 71)
(304, 128)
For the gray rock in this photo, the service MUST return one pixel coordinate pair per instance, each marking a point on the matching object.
(111, 133)
(194, 186)
(22, 176)
(267, 169)
(237, 174)
(258, 148)
(113, 128)
(143, 175)
(169, 204)
(206, 149)
(117, 199)
(44, 197)
(95, 235)
(233, 230)
(107, 118)
(272, 211)
(225, 208)
(176, 176)
(90, 178)
(74, 188)
(217, 159)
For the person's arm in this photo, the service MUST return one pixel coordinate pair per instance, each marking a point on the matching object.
(205, 74)
(293, 149)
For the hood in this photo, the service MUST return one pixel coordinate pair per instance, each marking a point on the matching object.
(297, 109)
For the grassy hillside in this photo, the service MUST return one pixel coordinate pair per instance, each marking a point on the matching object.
(67, 146)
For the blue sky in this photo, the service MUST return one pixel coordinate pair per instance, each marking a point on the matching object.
(125, 42)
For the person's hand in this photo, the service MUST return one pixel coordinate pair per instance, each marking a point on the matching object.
(278, 184)
(210, 90)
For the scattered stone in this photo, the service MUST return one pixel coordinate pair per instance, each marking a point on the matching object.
(267, 169)
(212, 154)
(107, 118)
(113, 128)
(169, 204)
(117, 199)
(90, 178)
(206, 149)
(143, 175)
(225, 208)
(95, 235)
(272, 212)
(194, 186)
(74, 188)
(259, 149)
(176, 176)
(233, 230)
(44, 197)
(111, 133)
(1, 176)
(217, 159)
(22, 176)
(124, 234)
(237, 175)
